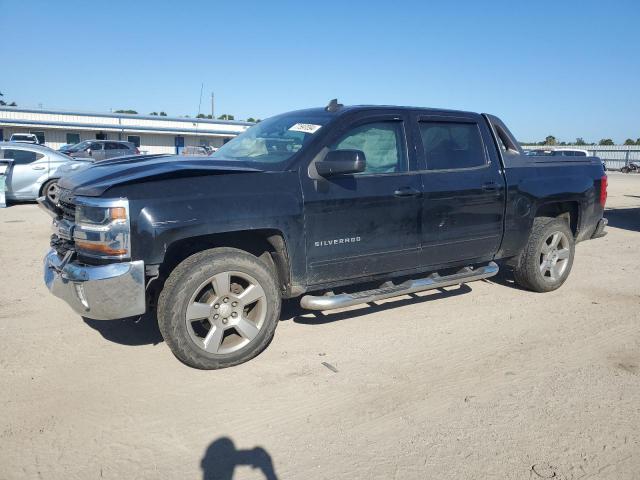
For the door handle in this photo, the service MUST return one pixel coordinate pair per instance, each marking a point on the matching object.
(407, 192)
(490, 187)
(38, 167)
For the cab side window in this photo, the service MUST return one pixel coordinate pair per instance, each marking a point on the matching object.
(452, 145)
(382, 144)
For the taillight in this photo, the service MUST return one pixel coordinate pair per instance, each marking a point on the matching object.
(603, 191)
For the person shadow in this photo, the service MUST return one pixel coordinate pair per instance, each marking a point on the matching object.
(221, 458)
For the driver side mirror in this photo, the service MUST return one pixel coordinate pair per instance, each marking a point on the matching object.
(340, 162)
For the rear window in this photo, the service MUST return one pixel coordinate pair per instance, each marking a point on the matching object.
(452, 145)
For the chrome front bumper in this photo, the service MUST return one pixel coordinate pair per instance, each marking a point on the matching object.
(104, 292)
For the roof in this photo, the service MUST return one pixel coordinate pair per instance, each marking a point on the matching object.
(361, 108)
(123, 115)
(27, 146)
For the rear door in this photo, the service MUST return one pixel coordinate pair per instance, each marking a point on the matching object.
(97, 151)
(464, 189)
(112, 149)
(366, 223)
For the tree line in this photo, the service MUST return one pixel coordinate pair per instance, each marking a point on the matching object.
(224, 116)
(551, 141)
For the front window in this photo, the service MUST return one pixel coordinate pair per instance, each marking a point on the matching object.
(274, 140)
(382, 144)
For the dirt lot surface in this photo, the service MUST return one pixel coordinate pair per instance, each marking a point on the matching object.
(481, 381)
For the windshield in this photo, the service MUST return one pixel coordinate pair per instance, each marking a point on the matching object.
(79, 146)
(274, 140)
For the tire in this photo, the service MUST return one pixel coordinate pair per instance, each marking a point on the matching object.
(50, 190)
(543, 266)
(624, 169)
(220, 284)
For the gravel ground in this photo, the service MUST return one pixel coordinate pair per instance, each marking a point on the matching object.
(480, 381)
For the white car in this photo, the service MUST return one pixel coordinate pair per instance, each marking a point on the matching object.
(32, 170)
(24, 138)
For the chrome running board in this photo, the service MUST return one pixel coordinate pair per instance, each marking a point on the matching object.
(465, 275)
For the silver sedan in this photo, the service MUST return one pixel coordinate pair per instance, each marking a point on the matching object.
(32, 170)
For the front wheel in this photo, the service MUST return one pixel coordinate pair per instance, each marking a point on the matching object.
(546, 260)
(219, 308)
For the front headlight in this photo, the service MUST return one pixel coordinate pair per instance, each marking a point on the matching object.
(102, 228)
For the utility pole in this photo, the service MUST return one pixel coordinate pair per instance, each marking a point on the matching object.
(213, 116)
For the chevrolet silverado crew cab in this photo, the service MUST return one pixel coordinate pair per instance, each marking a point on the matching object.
(337, 205)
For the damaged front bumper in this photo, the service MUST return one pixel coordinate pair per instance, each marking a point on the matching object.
(103, 292)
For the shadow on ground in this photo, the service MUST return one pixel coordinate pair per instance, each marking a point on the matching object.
(129, 331)
(624, 218)
(222, 457)
(292, 310)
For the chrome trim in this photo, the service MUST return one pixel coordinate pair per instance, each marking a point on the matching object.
(465, 275)
(104, 292)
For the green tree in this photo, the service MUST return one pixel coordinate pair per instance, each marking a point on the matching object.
(226, 116)
(580, 141)
(550, 140)
(133, 112)
(251, 119)
(629, 141)
(163, 114)
(3, 103)
(638, 141)
(154, 114)
(201, 115)
(606, 141)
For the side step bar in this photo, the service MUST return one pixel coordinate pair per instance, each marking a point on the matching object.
(329, 302)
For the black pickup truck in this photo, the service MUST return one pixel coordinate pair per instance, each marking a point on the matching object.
(336, 205)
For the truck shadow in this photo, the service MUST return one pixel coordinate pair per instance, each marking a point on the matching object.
(136, 331)
(624, 218)
(133, 331)
(291, 308)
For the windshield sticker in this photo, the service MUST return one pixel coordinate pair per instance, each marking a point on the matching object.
(305, 128)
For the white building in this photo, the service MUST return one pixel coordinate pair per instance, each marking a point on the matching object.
(152, 134)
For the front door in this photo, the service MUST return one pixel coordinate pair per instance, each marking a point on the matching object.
(23, 173)
(367, 223)
(463, 206)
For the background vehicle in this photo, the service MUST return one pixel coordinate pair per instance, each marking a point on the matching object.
(33, 170)
(309, 202)
(633, 167)
(198, 151)
(24, 138)
(65, 148)
(102, 149)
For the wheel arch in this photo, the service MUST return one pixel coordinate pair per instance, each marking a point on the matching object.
(267, 244)
(569, 210)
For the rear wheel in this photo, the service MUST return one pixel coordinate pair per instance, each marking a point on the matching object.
(547, 258)
(51, 191)
(219, 308)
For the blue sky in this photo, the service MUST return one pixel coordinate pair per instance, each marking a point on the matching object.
(567, 68)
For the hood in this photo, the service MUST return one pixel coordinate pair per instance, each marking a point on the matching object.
(98, 177)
